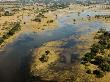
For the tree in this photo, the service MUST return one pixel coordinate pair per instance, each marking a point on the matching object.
(99, 60)
(7, 13)
(88, 57)
(97, 47)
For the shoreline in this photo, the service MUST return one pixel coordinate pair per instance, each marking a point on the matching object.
(41, 27)
(53, 68)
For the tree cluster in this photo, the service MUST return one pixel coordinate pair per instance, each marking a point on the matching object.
(11, 32)
(97, 54)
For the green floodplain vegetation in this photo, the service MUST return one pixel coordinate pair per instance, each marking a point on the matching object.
(14, 19)
(47, 63)
(15, 27)
(99, 55)
(94, 64)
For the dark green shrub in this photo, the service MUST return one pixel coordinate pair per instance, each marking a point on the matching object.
(98, 73)
(88, 71)
(97, 48)
(50, 21)
(47, 52)
(104, 66)
(102, 30)
(44, 10)
(108, 59)
(104, 43)
(1, 40)
(108, 46)
(88, 57)
(44, 58)
(40, 15)
(106, 33)
(7, 13)
(12, 31)
(37, 19)
(99, 60)
(5, 36)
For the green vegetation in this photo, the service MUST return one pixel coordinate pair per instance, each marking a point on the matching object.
(102, 16)
(44, 57)
(98, 73)
(97, 55)
(11, 32)
(7, 13)
(50, 21)
(56, 6)
(44, 10)
(39, 17)
(88, 57)
(1, 40)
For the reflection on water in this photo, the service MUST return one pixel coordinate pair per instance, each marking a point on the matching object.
(14, 59)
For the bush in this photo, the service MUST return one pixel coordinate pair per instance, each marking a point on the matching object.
(37, 19)
(104, 66)
(40, 16)
(12, 31)
(98, 73)
(88, 71)
(5, 36)
(1, 40)
(7, 13)
(108, 59)
(50, 21)
(102, 30)
(44, 58)
(44, 10)
(97, 48)
(47, 52)
(99, 60)
(104, 42)
(108, 46)
(106, 33)
(88, 57)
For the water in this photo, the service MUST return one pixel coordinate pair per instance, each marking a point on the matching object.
(14, 60)
(93, 13)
